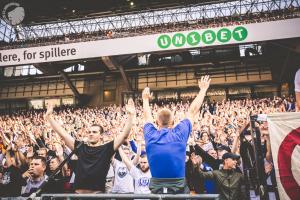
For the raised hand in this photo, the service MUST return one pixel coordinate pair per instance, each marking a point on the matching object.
(191, 141)
(243, 126)
(59, 150)
(204, 82)
(30, 152)
(196, 159)
(268, 168)
(146, 95)
(49, 110)
(130, 108)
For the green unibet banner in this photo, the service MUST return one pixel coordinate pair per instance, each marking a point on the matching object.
(248, 33)
(207, 37)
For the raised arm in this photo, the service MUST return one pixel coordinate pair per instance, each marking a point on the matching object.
(197, 167)
(125, 159)
(19, 153)
(136, 158)
(131, 114)
(134, 147)
(196, 104)
(60, 154)
(208, 158)
(9, 160)
(146, 95)
(21, 157)
(268, 146)
(5, 139)
(69, 140)
(236, 140)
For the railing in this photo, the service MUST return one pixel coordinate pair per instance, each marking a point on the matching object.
(129, 196)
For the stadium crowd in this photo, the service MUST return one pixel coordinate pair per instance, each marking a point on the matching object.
(30, 148)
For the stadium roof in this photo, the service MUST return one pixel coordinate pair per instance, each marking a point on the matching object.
(44, 11)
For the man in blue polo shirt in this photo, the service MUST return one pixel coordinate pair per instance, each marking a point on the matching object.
(166, 145)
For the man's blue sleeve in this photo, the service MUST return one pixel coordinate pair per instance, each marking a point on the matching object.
(184, 128)
(148, 129)
(134, 147)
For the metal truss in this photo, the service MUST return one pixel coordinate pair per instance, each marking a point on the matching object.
(142, 19)
(7, 32)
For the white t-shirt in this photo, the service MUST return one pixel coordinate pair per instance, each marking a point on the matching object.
(297, 81)
(110, 173)
(109, 179)
(123, 182)
(141, 180)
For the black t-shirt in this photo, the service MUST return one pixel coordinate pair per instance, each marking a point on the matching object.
(55, 185)
(11, 182)
(92, 166)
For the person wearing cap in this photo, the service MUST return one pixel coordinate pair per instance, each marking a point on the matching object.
(230, 183)
(221, 150)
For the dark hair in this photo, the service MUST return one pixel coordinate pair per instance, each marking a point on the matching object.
(40, 158)
(42, 149)
(202, 133)
(100, 127)
(54, 157)
(143, 155)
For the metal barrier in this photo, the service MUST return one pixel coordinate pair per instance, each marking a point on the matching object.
(129, 196)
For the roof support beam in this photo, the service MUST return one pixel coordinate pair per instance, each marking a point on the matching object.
(70, 84)
(113, 64)
(108, 62)
(125, 79)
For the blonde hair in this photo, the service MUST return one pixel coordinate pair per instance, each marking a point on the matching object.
(165, 117)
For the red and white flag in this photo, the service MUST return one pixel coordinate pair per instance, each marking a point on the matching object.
(284, 129)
